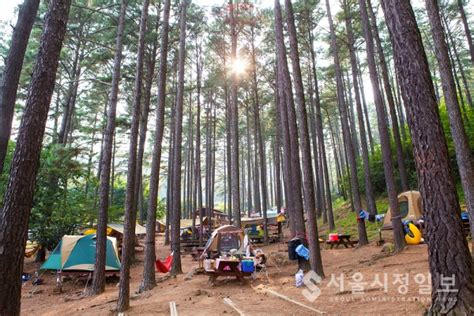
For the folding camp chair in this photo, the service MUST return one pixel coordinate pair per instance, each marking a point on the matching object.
(260, 264)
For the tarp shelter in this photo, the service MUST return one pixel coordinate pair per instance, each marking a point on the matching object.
(271, 220)
(410, 205)
(139, 229)
(77, 253)
(224, 239)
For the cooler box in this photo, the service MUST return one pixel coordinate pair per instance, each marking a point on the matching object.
(333, 237)
(247, 266)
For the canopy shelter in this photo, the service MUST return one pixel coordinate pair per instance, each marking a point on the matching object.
(410, 205)
(225, 238)
(271, 220)
(221, 216)
(77, 253)
(114, 229)
(119, 228)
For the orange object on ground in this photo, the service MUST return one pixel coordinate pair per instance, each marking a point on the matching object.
(165, 266)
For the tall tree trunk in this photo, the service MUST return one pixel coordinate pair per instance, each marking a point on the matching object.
(461, 143)
(150, 71)
(178, 136)
(366, 112)
(11, 74)
(234, 122)
(308, 180)
(149, 280)
(18, 197)
(443, 224)
(460, 66)
(369, 192)
(466, 28)
(383, 131)
(128, 247)
(197, 178)
(346, 133)
(288, 115)
(391, 103)
(282, 118)
(250, 205)
(320, 135)
(98, 281)
(260, 164)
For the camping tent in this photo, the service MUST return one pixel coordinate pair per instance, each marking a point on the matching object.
(225, 238)
(410, 207)
(77, 253)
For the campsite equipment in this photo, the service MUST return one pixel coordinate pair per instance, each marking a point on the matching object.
(292, 244)
(410, 205)
(227, 267)
(465, 223)
(412, 234)
(77, 253)
(255, 227)
(299, 276)
(224, 239)
(333, 237)
(341, 239)
(302, 251)
(165, 266)
(248, 265)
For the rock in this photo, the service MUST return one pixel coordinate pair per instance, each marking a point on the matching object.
(388, 247)
(36, 291)
(200, 292)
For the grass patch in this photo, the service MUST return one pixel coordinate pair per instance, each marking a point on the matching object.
(346, 220)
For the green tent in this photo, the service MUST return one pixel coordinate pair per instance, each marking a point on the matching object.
(77, 253)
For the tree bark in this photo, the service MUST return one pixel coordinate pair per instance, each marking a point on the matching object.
(346, 133)
(287, 113)
(197, 170)
(21, 185)
(128, 245)
(443, 224)
(234, 123)
(383, 131)
(461, 143)
(145, 110)
(391, 103)
(460, 66)
(178, 136)
(466, 28)
(149, 280)
(369, 192)
(98, 281)
(320, 136)
(11, 74)
(308, 180)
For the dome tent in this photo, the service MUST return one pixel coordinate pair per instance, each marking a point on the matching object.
(410, 205)
(77, 253)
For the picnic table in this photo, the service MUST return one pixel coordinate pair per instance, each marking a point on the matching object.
(344, 240)
(227, 267)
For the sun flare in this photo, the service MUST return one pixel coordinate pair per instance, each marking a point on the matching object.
(239, 66)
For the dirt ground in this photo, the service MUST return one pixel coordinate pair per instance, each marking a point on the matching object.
(359, 281)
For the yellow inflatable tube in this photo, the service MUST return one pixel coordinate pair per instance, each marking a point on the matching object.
(413, 237)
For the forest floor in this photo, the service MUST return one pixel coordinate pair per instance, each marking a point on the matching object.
(359, 281)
